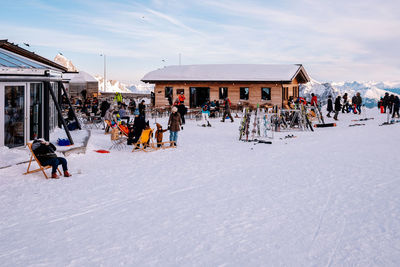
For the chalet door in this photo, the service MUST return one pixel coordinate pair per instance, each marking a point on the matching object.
(36, 111)
(198, 96)
(14, 115)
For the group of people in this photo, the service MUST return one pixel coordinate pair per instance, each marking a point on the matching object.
(390, 103)
(343, 104)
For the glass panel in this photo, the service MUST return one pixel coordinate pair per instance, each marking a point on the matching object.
(36, 111)
(6, 63)
(53, 117)
(266, 93)
(14, 116)
(244, 93)
(19, 60)
(223, 92)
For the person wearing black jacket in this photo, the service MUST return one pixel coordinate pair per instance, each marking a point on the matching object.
(338, 107)
(182, 110)
(139, 124)
(45, 153)
(329, 108)
(396, 106)
(142, 109)
(385, 101)
(104, 106)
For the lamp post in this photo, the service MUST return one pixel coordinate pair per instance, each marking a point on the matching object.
(104, 81)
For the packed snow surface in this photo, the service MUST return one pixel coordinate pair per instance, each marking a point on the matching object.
(325, 198)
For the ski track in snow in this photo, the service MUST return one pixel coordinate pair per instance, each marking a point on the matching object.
(327, 198)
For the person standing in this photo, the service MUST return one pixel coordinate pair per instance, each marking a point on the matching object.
(205, 114)
(227, 110)
(182, 111)
(314, 100)
(181, 98)
(385, 102)
(174, 126)
(142, 109)
(345, 106)
(358, 102)
(330, 106)
(338, 107)
(118, 98)
(132, 106)
(104, 106)
(396, 106)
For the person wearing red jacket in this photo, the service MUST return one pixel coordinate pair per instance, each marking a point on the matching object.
(314, 100)
(181, 98)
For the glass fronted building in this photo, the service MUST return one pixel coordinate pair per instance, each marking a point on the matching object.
(26, 83)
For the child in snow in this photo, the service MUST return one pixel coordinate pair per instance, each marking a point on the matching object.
(159, 134)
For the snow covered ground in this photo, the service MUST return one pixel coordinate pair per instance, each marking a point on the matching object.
(327, 198)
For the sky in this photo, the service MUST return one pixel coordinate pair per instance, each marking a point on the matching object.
(335, 40)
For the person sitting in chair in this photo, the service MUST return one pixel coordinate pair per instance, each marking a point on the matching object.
(45, 153)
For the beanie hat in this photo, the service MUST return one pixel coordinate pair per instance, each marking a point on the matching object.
(174, 109)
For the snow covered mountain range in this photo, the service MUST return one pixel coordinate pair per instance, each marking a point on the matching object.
(63, 61)
(117, 86)
(371, 91)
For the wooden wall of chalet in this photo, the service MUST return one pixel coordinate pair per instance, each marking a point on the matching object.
(233, 91)
(92, 89)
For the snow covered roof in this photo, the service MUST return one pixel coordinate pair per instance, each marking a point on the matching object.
(228, 72)
(79, 77)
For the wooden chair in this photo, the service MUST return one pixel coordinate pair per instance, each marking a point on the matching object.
(120, 139)
(145, 142)
(41, 168)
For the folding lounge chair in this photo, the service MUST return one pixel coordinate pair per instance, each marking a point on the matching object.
(41, 168)
(144, 143)
(119, 141)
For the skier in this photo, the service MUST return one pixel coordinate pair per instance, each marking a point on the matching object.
(182, 111)
(45, 153)
(330, 106)
(174, 125)
(338, 107)
(354, 104)
(205, 114)
(227, 111)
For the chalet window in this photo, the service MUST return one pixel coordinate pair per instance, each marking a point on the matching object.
(179, 91)
(223, 92)
(244, 93)
(168, 91)
(285, 93)
(295, 92)
(266, 93)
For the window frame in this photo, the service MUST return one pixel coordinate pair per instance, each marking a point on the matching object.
(240, 93)
(268, 97)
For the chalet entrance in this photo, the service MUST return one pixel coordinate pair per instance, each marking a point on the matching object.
(198, 96)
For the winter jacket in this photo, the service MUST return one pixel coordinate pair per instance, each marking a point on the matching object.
(181, 98)
(142, 108)
(182, 109)
(159, 133)
(396, 103)
(205, 109)
(175, 122)
(358, 100)
(330, 105)
(138, 125)
(338, 106)
(104, 106)
(42, 151)
(118, 97)
(227, 104)
(386, 99)
(314, 100)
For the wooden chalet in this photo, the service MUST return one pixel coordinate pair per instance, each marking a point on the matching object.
(244, 84)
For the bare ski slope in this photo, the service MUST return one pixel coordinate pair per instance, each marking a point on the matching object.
(328, 198)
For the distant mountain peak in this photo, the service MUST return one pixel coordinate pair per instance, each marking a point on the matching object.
(63, 61)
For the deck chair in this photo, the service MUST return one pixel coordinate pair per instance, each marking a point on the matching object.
(145, 142)
(41, 168)
(119, 138)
